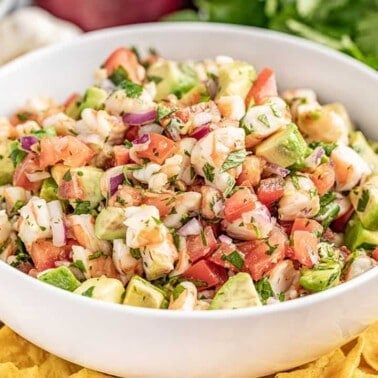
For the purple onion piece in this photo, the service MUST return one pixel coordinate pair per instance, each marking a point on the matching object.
(114, 182)
(200, 132)
(276, 169)
(145, 138)
(135, 119)
(27, 142)
(315, 158)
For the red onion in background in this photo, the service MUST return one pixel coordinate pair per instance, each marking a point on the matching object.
(115, 182)
(27, 142)
(200, 132)
(275, 169)
(139, 118)
(145, 138)
(315, 158)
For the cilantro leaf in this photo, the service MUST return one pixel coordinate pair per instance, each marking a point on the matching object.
(16, 154)
(234, 159)
(208, 171)
(264, 290)
(131, 89)
(119, 75)
(235, 259)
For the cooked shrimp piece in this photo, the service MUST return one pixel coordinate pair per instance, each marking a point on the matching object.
(252, 168)
(282, 277)
(126, 196)
(360, 264)
(184, 148)
(5, 227)
(62, 123)
(231, 107)
(264, 120)
(102, 265)
(350, 167)
(300, 199)
(185, 299)
(212, 202)
(323, 177)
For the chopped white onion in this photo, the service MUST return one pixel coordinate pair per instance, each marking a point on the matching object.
(37, 176)
(225, 239)
(56, 223)
(150, 128)
(201, 119)
(193, 227)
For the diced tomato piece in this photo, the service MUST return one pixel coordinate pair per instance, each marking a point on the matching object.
(310, 225)
(206, 272)
(121, 155)
(132, 133)
(270, 190)
(374, 254)
(30, 164)
(305, 246)
(240, 202)
(164, 202)
(264, 86)
(159, 149)
(125, 58)
(339, 224)
(44, 254)
(262, 255)
(199, 246)
(324, 178)
(252, 168)
(221, 257)
(286, 226)
(68, 149)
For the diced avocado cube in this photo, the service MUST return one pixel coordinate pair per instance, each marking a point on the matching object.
(323, 276)
(103, 288)
(172, 77)
(359, 143)
(94, 98)
(61, 277)
(235, 78)
(356, 236)
(88, 178)
(197, 94)
(109, 223)
(141, 293)
(238, 292)
(49, 190)
(284, 148)
(6, 164)
(364, 199)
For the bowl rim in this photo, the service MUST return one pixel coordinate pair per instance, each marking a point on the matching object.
(276, 308)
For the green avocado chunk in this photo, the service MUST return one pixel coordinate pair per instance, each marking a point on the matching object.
(88, 178)
(61, 277)
(359, 143)
(364, 199)
(94, 98)
(323, 276)
(172, 77)
(49, 190)
(238, 292)
(284, 148)
(141, 293)
(109, 224)
(235, 78)
(356, 236)
(6, 164)
(73, 109)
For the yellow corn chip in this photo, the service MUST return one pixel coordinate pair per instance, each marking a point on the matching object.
(19, 351)
(10, 370)
(358, 373)
(86, 373)
(55, 367)
(370, 351)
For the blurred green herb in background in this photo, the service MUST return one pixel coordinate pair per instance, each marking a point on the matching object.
(350, 26)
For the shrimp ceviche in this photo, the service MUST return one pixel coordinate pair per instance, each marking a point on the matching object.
(188, 186)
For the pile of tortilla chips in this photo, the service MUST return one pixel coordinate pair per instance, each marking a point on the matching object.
(20, 359)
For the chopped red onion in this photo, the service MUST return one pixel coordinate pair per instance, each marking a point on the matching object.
(56, 223)
(114, 182)
(145, 138)
(200, 132)
(37, 176)
(193, 227)
(276, 169)
(27, 142)
(225, 239)
(315, 158)
(139, 118)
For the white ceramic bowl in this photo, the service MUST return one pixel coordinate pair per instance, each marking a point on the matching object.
(137, 342)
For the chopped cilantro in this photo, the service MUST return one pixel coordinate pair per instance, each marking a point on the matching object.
(135, 252)
(177, 291)
(156, 220)
(264, 120)
(131, 89)
(88, 292)
(163, 111)
(208, 171)
(42, 133)
(82, 207)
(155, 79)
(67, 176)
(95, 255)
(17, 206)
(234, 159)
(264, 289)
(119, 75)
(327, 147)
(235, 259)
(23, 116)
(127, 143)
(79, 265)
(271, 248)
(16, 154)
(203, 238)
(363, 201)
(275, 111)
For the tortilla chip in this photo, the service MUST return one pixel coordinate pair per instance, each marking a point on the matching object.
(358, 373)
(55, 367)
(19, 351)
(370, 350)
(10, 370)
